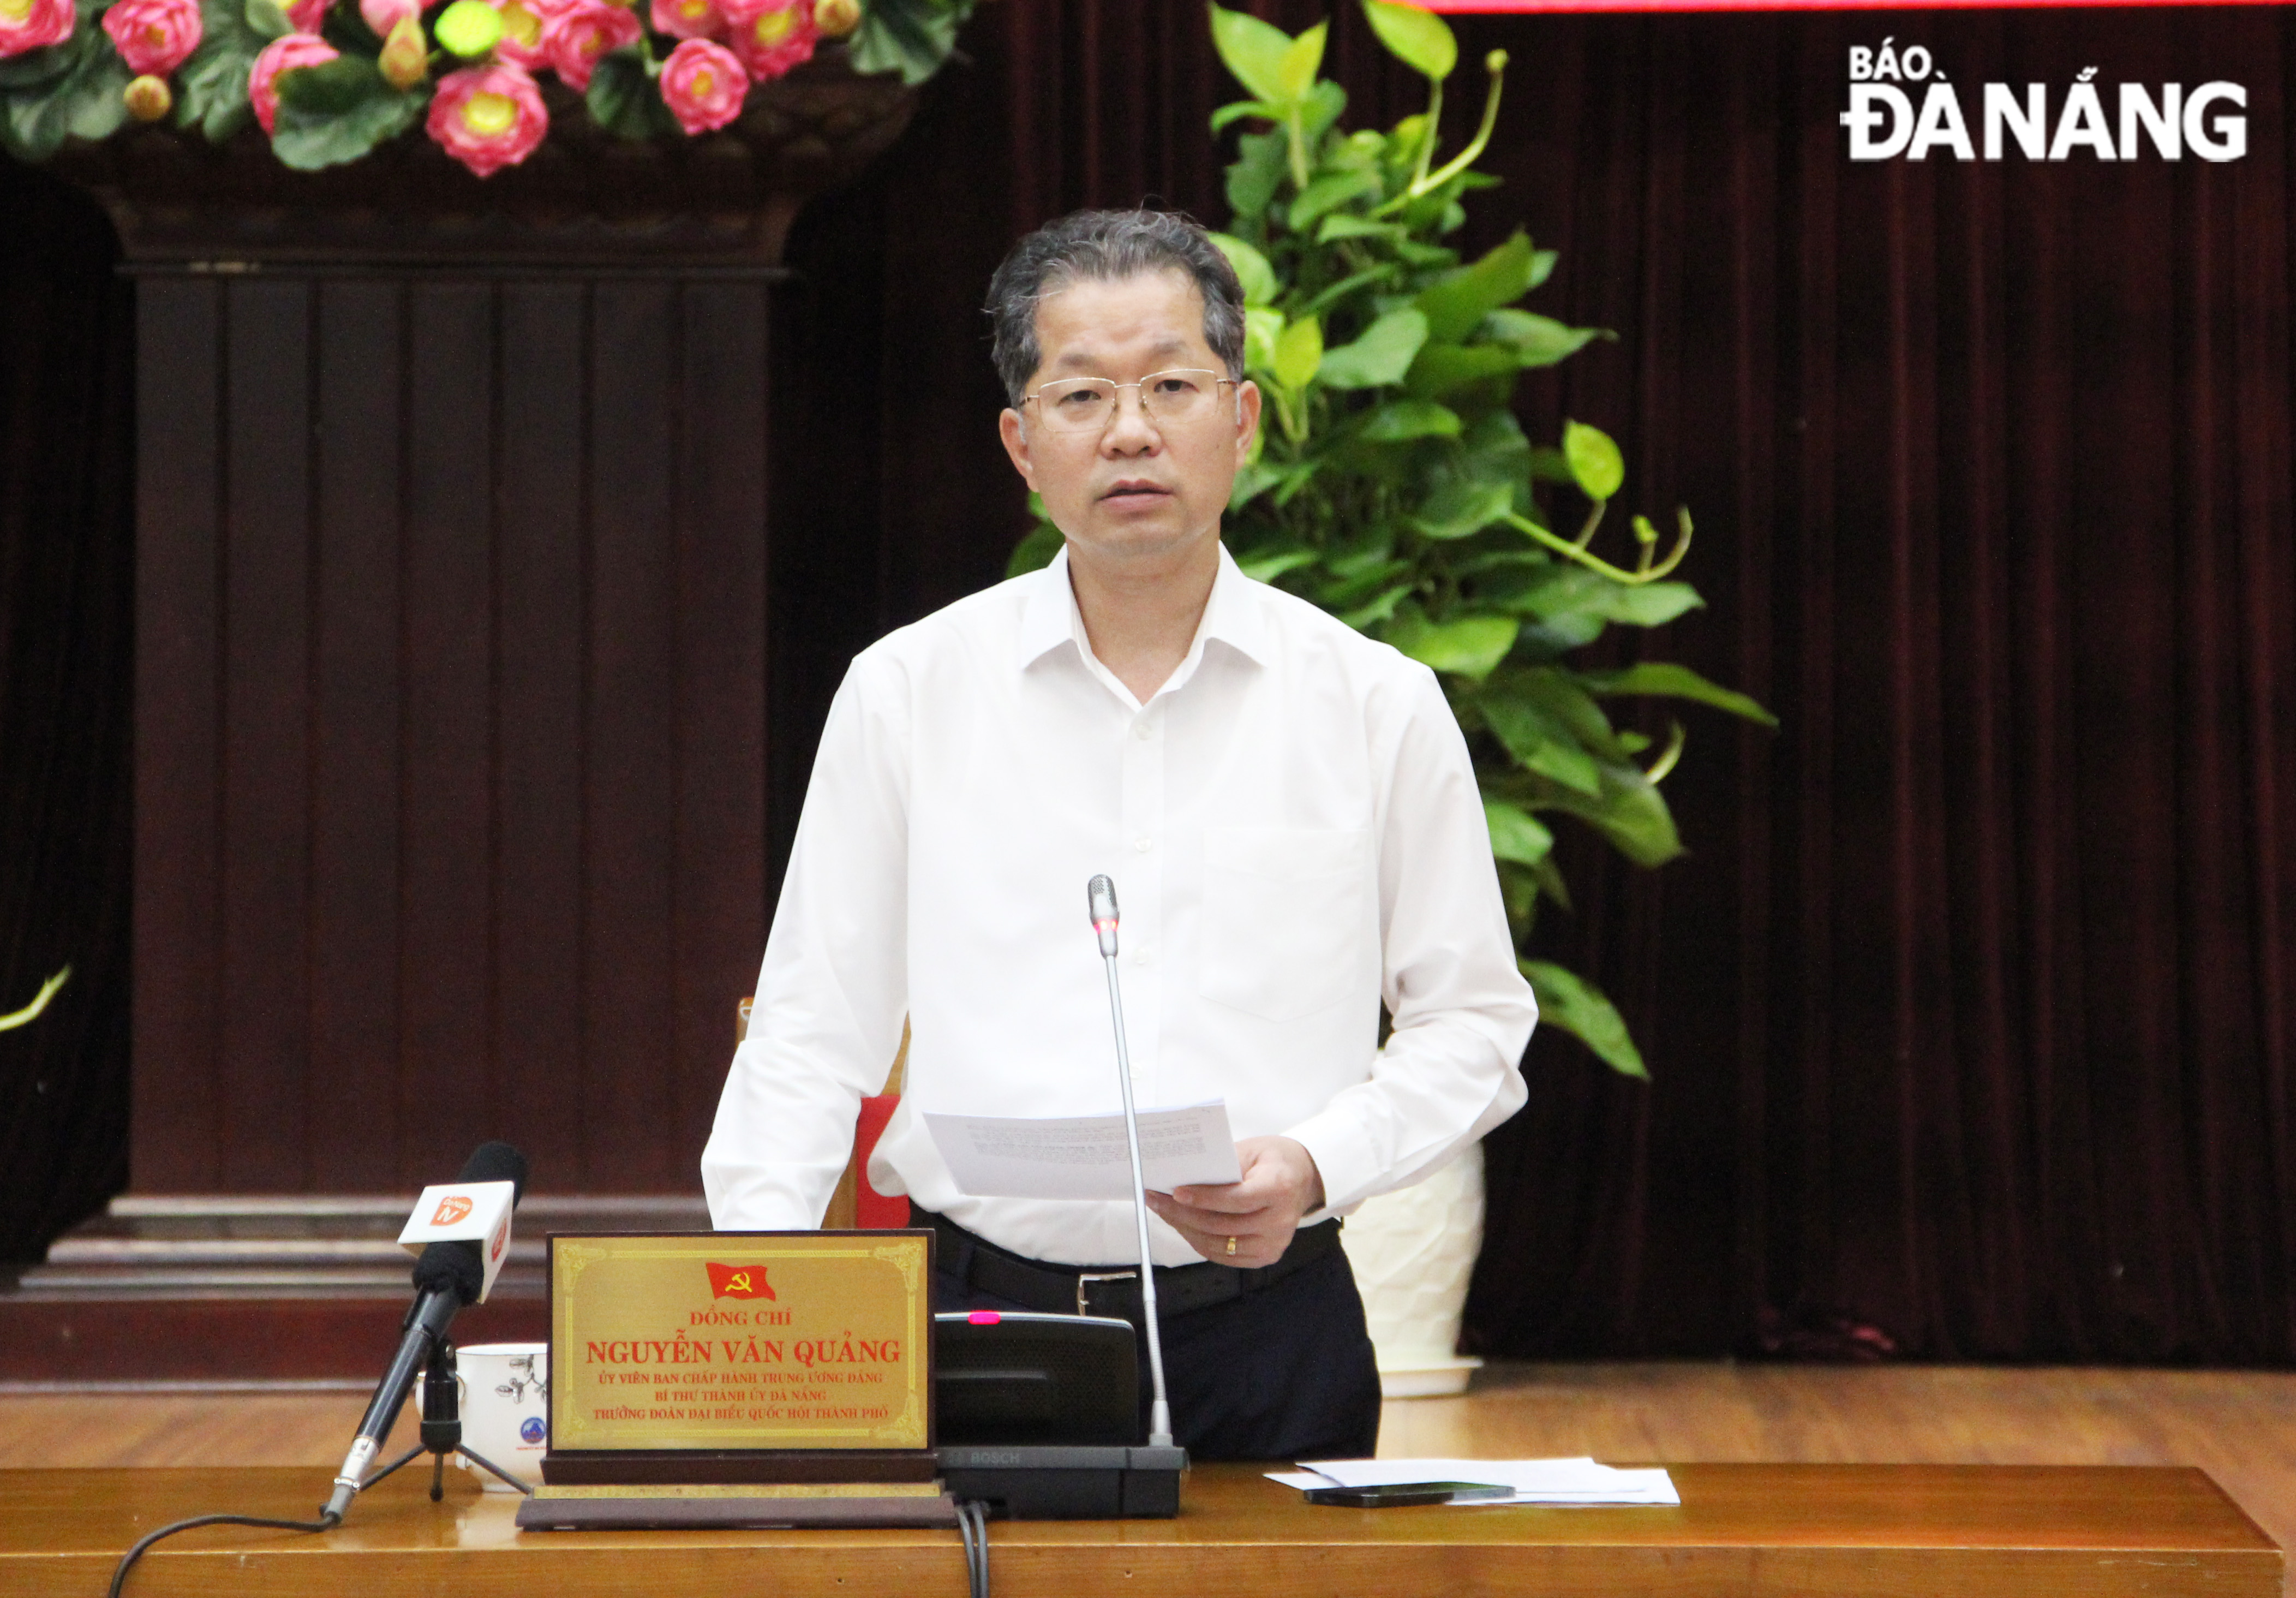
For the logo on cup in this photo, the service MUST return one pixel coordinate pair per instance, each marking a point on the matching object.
(740, 1282)
(451, 1209)
(532, 1430)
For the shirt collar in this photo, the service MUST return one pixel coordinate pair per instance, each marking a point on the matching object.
(1233, 615)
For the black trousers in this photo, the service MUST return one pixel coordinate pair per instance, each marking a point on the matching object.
(1283, 1373)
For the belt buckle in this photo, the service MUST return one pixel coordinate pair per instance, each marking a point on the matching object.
(1087, 1276)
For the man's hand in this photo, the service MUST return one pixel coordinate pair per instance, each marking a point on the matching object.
(1261, 1212)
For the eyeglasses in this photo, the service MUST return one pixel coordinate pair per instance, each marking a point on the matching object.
(1089, 404)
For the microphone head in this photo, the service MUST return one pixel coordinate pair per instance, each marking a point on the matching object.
(1101, 893)
(496, 1162)
(455, 1268)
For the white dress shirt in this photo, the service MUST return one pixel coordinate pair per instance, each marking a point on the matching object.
(1295, 834)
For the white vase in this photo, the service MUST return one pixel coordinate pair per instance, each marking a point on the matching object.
(1412, 1252)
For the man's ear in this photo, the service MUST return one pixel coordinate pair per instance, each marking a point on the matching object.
(1247, 417)
(1016, 445)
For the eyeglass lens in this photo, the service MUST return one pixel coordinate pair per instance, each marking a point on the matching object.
(1086, 404)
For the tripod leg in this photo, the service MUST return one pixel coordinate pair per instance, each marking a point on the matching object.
(437, 1477)
(486, 1464)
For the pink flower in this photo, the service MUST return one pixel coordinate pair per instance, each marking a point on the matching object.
(154, 35)
(522, 22)
(383, 15)
(281, 55)
(688, 19)
(306, 14)
(29, 24)
(576, 35)
(488, 118)
(703, 86)
(770, 36)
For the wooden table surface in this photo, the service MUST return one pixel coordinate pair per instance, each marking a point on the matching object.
(1842, 1531)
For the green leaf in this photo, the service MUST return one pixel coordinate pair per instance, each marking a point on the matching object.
(1381, 354)
(1538, 341)
(338, 112)
(1253, 51)
(624, 99)
(1263, 327)
(1442, 367)
(211, 87)
(1462, 506)
(1468, 647)
(1572, 591)
(267, 19)
(1036, 551)
(83, 102)
(913, 40)
(1402, 419)
(1648, 603)
(1596, 466)
(1538, 740)
(1665, 678)
(1377, 609)
(1323, 194)
(1346, 224)
(1251, 269)
(1236, 110)
(1542, 265)
(44, 65)
(1257, 173)
(1298, 352)
(1419, 39)
(1302, 59)
(1569, 1002)
(1455, 304)
(1516, 835)
(1268, 567)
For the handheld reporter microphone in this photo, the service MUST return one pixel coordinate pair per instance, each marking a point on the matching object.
(447, 1277)
(1102, 894)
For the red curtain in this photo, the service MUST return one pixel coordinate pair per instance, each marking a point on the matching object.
(1968, 1013)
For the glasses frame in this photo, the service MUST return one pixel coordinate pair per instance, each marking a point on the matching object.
(1139, 398)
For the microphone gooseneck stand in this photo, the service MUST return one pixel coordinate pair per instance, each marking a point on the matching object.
(1101, 892)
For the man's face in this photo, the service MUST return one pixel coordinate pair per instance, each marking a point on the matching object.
(1134, 490)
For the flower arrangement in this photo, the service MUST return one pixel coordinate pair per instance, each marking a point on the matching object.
(329, 80)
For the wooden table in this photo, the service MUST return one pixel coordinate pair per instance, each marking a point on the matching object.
(1824, 1531)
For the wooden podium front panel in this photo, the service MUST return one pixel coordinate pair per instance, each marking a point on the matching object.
(1751, 1531)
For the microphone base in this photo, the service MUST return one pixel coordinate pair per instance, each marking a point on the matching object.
(1043, 1482)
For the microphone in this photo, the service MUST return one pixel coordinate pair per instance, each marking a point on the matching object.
(1101, 893)
(447, 1276)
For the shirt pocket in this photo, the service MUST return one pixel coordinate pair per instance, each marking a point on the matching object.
(1286, 921)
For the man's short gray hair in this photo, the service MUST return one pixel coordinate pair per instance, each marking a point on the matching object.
(1107, 246)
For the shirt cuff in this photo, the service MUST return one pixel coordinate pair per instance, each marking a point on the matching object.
(1344, 1157)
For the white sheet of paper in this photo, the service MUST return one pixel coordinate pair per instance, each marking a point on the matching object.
(1534, 1480)
(1084, 1157)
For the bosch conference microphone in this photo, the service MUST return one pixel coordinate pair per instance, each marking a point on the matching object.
(447, 1276)
(1102, 894)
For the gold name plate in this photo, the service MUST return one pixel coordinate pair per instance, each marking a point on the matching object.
(741, 1356)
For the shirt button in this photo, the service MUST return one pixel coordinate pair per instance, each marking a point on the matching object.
(1142, 729)
(1143, 845)
(1146, 957)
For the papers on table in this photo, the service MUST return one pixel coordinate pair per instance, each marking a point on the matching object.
(1534, 1480)
(1084, 1157)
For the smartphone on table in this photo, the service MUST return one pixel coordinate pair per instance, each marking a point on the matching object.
(1394, 1494)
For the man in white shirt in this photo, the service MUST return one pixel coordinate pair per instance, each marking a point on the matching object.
(1291, 820)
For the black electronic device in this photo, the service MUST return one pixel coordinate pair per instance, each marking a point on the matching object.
(1394, 1494)
(1008, 1379)
(1038, 1417)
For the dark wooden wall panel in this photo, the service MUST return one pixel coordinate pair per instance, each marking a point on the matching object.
(721, 678)
(354, 765)
(452, 721)
(177, 986)
(540, 535)
(446, 897)
(631, 741)
(265, 732)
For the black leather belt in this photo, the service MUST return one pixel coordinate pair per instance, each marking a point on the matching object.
(1112, 1290)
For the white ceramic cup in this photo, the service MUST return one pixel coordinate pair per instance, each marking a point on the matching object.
(506, 1401)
